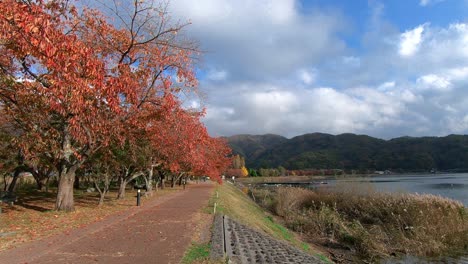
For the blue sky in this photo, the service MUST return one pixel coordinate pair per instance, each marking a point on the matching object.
(383, 68)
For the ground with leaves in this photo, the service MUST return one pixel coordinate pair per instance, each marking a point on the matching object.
(160, 230)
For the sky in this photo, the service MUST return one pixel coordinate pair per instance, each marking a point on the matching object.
(289, 67)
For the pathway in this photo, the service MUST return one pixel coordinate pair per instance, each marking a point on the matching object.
(157, 232)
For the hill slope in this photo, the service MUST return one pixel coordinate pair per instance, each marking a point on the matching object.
(251, 146)
(350, 151)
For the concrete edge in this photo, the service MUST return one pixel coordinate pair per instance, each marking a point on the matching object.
(217, 251)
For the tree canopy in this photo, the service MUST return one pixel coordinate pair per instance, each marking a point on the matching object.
(74, 82)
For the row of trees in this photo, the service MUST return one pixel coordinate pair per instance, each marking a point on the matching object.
(81, 94)
(237, 167)
(281, 171)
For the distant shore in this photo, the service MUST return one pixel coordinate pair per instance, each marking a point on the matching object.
(306, 178)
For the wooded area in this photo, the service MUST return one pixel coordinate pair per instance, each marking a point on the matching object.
(97, 94)
(351, 152)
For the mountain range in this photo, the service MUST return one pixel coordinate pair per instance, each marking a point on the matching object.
(350, 151)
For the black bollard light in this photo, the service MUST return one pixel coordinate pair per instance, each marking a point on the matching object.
(138, 198)
(183, 183)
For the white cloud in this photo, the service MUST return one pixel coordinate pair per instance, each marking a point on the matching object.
(424, 2)
(429, 2)
(410, 41)
(217, 75)
(307, 77)
(271, 102)
(434, 82)
(386, 86)
(254, 39)
(264, 62)
(352, 61)
(278, 109)
(460, 73)
(444, 47)
(281, 12)
(456, 124)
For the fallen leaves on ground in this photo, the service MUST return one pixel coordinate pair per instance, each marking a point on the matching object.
(33, 216)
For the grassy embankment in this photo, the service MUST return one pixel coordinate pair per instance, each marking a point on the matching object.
(372, 224)
(237, 205)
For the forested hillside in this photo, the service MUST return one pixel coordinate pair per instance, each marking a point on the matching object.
(350, 151)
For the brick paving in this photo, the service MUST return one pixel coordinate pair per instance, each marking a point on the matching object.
(158, 232)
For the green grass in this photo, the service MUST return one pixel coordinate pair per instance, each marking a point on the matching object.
(323, 258)
(237, 205)
(283, 231)
(197, 253)
(209, 209)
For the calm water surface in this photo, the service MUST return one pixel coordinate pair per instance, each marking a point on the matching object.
(454, 186)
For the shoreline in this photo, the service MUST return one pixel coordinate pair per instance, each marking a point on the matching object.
(452, 186)
(346, 219)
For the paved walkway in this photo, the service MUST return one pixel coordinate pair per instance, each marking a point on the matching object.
(157, 232)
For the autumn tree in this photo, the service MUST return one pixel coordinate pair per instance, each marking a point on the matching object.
(59, 96)
(237, 168)
(8, 153)
(74, 85)
(159, 60)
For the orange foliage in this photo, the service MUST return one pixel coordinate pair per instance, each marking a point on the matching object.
(74, 83)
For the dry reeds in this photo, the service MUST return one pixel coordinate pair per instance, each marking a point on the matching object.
(374, 224)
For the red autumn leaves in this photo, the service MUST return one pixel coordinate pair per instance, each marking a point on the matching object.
(72, 84)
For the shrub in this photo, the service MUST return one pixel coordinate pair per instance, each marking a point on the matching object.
(374, 224)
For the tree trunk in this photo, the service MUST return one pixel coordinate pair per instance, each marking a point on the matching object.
(123, 185)
(76, 185)
(176, 179)
(180, 181)
(156, 184)
(104, 190)
(149, 182)
(156, 181)
(5, 182)
(124, 180)
(173, 181)
(12, 185)
(67, 169)
(42, 179)
(162, 176)
(65, 201)
(102, 196)
(179, 178)
(41, 183)
(47, 185)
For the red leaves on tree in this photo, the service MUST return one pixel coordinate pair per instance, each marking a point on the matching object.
(73, 83)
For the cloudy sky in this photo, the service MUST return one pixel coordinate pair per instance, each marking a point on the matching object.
(289, 67)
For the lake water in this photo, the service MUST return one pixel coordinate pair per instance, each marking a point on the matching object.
(454, 186)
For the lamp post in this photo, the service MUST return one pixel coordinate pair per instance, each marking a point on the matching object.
(138, 198)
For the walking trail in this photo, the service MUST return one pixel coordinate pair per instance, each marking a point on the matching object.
(157, 232)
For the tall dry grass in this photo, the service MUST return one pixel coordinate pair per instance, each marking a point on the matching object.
(373, 224)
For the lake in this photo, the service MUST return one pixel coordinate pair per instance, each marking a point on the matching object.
(454, 186)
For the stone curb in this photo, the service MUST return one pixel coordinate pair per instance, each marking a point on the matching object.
(217, 239)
